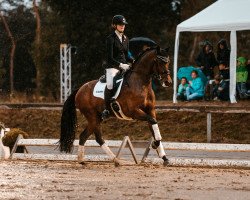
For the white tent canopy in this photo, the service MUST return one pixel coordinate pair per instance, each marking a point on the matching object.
(223, 15)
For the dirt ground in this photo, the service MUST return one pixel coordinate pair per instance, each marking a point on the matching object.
(69, 180)
(174, 126)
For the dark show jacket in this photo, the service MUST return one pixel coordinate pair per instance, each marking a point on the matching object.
(208, 61)
(117, 51)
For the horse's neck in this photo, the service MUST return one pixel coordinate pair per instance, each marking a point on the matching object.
(142, 71)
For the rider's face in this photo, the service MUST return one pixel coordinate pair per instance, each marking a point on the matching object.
(120, 27)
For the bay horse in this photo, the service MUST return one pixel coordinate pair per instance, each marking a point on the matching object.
(136, 99)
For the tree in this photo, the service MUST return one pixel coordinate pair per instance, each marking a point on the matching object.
(20, 22)
(12, 52)
(46, 54)
(37, 43)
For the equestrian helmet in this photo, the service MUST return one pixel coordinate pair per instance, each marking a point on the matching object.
(118, 20)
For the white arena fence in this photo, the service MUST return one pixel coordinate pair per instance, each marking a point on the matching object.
(121, 145)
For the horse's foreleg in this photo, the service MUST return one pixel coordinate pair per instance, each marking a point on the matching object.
(104, 146)
(157, 144)
(154, 128)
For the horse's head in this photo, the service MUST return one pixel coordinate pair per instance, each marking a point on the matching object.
(161, 67)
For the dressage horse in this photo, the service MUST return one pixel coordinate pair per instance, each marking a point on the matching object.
(136, 99)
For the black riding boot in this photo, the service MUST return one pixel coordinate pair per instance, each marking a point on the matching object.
(108, 94)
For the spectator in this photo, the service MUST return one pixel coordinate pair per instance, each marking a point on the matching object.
(241, 77)
(181, 95)
(223, 58)
(195, 90)
(248, 77)
(221, 88)
(206, 60)
(223, 52)
(224, 70)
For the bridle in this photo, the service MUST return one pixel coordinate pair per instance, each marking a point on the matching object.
(158, 75)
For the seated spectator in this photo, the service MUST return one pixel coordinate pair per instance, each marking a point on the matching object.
(181, 95)
(241, 77)
(224, 70)
(248, 77)
(221, 89)
(195, 90)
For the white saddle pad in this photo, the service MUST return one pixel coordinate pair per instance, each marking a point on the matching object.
(100, 87)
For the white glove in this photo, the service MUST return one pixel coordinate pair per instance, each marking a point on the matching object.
(125, 67)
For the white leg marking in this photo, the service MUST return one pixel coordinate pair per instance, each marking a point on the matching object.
(80, 153)
(156, 132)
(161, 151)
(107, 150)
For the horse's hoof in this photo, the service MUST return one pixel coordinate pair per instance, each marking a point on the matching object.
(117, 162)
(166, 163)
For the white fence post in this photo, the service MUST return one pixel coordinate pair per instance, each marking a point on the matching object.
(209, 127)
(4, 150)
(65, 71)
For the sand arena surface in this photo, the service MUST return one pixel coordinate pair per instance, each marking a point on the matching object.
(70, 180)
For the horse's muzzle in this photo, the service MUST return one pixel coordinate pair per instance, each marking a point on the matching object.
(167, 82)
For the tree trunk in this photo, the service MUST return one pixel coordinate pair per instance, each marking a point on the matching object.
(191, 55)
(37, 44)
(12, 53)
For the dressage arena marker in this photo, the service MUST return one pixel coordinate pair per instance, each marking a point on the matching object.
(126, 141)
(145, 155)
(174, 161)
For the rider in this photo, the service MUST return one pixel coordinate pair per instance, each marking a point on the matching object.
(117, 57)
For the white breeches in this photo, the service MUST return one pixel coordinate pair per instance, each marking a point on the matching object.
(110, 74)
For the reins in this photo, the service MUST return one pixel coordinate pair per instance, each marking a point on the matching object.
(156, 60)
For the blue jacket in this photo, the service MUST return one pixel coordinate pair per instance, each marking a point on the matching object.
(197, 86)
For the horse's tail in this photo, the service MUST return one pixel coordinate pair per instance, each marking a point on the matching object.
(68, 124)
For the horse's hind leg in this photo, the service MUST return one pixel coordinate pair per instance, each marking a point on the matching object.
(93, 120)
(83, 138)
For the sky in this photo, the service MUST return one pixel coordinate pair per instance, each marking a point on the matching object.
(27, 3)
